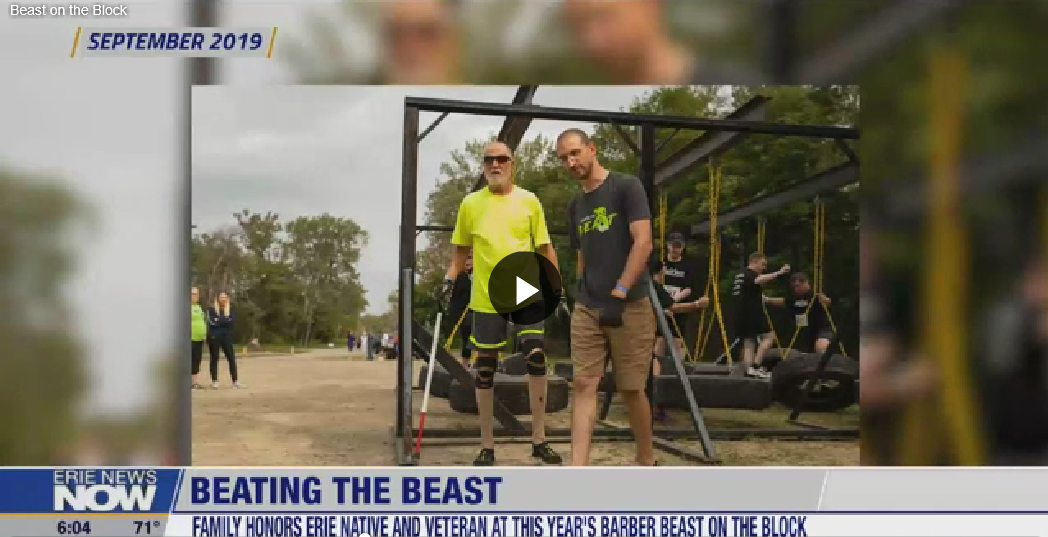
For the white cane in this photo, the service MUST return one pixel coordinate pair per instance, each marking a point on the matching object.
(429, 381)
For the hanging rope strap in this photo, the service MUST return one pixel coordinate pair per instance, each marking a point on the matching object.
(816, 270)
(451, 336)
(762, 234)
(716, 175)
(820, 249)
(944, 286)
(712, 278)
(663, 207)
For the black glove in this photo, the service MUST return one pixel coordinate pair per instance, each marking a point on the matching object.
(611, 313)
(444, 296)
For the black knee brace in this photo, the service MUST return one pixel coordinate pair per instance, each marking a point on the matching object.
(535, 356)
(485, 367)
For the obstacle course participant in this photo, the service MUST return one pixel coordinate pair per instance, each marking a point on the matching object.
(613, 318)
(751, 325)
(811, 322)
(494, 223)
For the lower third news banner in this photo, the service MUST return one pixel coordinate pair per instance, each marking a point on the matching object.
(345, 502)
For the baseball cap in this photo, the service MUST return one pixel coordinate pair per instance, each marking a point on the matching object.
(676, 237)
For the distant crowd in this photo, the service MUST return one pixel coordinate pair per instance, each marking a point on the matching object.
(373, 344)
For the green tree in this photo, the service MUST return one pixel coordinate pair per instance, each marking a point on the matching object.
(293, 282)
(42, 357)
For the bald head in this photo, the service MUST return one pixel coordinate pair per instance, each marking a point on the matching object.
(495, 147)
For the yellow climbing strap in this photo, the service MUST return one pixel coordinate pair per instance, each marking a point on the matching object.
(820, 230)
(762, 234)
(663, 205)
(451, 336)
(955, 417)
(712, 279)
(820, 249)
(716, 175)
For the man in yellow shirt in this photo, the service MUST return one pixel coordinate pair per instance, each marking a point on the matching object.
(493, 223)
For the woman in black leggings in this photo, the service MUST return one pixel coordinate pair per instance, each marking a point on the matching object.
(220, 320)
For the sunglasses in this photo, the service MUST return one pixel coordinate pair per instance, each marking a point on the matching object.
(501, 159)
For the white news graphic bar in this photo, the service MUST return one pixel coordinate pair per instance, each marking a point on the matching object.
(124, 42)
(596, 524)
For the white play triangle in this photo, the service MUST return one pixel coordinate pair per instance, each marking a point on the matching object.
(524, 291)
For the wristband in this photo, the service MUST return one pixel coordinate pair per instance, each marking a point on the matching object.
(622, 288)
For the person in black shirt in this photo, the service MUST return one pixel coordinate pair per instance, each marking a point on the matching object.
(680, 277)
(751, 326)
(810, 318)
(460, 295)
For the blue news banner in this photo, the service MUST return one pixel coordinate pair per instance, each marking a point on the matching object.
(344, 502)
(314, 503)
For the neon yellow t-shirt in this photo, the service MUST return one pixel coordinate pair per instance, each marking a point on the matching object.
(497, 225)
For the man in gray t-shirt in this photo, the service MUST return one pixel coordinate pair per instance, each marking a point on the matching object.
(613, 318)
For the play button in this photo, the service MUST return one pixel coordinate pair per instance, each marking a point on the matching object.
(522, 288)
(524, 291)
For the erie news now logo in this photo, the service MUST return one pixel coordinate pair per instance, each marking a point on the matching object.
(104, 490)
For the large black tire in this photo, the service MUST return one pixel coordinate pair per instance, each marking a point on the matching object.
(441, 380)
(774, 357)
(512, 391)
(838, 390)
(714, 391)
(564, 370)
(704, 368)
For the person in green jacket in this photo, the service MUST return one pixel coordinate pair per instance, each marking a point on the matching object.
(198, 328)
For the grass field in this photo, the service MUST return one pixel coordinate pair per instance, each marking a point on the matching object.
(327, 408)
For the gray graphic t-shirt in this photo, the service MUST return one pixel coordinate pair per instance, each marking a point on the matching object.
(600, 229)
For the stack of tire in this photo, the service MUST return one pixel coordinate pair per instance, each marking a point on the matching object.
(511, 388)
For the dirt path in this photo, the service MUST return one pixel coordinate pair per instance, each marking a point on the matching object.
(327, 408)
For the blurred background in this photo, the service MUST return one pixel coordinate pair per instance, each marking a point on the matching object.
(93, 218)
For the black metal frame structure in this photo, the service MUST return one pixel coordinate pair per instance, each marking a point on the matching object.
(518, 115)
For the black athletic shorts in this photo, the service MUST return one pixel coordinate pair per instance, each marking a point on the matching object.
(749, 326)
(491, 329)
(806, 339)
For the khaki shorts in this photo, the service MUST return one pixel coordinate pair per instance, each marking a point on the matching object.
(628, 346)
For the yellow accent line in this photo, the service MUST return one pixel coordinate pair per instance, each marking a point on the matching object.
(478, 345)
(76, 41)
(272, 39)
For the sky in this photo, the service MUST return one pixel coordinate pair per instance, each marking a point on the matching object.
(309, 150)
(110, 129)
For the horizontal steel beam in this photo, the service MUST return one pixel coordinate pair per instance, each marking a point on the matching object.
(711, 143)
(552, 231)
(626, 118)
(830, 179)
(835, 63)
